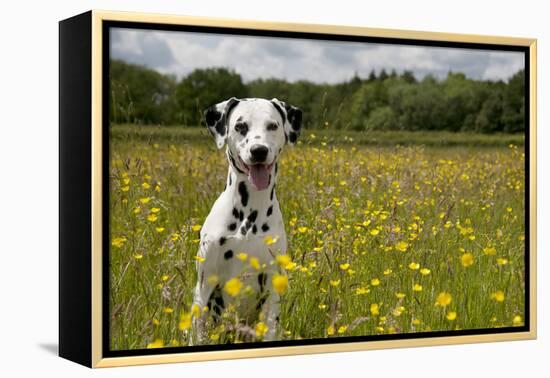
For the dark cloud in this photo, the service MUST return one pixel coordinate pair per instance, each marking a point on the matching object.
(297, 59)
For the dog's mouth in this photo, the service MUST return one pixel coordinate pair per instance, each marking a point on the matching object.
(258, 174)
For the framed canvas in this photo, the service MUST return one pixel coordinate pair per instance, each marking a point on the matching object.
(235, 189)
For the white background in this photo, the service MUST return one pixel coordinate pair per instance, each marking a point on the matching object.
(29, 188)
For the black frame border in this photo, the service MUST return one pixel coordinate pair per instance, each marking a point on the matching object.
(107, 25)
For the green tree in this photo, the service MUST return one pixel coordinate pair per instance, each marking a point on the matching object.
(140, 95)
(203, 88)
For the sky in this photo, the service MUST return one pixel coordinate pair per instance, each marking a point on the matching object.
(179, 53)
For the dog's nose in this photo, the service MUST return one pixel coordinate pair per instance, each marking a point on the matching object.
(259, 153)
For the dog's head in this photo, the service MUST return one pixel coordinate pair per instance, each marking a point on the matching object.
(255, 131)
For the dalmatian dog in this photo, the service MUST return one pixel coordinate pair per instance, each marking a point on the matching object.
(247, 212)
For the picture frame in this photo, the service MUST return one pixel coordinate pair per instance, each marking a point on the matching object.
(84, 236)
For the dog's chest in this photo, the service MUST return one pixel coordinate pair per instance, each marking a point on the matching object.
(236, 232)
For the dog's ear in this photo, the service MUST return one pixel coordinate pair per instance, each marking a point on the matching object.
(292, 119)
(216, 118)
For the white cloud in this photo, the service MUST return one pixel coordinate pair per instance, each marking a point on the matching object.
(180, 53)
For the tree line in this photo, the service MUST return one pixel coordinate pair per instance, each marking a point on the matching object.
(381, 101)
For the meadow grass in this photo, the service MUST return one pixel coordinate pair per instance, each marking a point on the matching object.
(421, 233)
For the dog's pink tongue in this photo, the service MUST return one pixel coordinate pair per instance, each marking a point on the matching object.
(259, 176)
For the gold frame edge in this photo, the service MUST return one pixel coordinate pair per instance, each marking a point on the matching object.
(98, 16)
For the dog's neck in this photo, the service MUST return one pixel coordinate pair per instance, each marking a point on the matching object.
(241, 190)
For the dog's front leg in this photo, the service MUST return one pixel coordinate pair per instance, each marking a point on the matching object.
(199, 332)
(271, 309)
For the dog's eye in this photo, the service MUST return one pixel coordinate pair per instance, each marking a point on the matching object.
(272, 127)
(241, 128)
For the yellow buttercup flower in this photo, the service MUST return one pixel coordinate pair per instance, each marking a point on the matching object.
(414, 266)
(502, 261)
(402, 246)
(375, 282)
(490, 251)
(517, 320)
(185, 321)
(158, 343)
(443, 299)
(330, 330)
(195, 227)
(425, 271)
(233, 287)
(280, 283)
(467, 259)
(342, 329)
(145, 200)
(498, 296)
(118, 242)
(269, 240)
(242, 256)
(374, 231)
(168, 310)
(152, 217)
(344, 266)
(255, 263)
(302, 229)
(374, 309)
(451, 315)
(334, 282)
(261, 329)
(417, 287)
(196, 310)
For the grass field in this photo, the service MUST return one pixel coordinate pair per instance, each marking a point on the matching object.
(388, 233)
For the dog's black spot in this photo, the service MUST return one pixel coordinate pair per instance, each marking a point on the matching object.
(269, 210)
(254, 229)
(236, 213)
(215, 302)
(277, 319)
(294, 116)
(247, 224)
(286, 138)
(262, 279)
(228, 254)
(241, 215)
(230, 182)
(265, 227)
(243, 191)
(246, 140)
(279, 110)
(252, 216)
(293, 137)
(241, 128)
(232, 161)
(212, 116)
(232, 227)
(272, 193)
(276, 167)
(243, 230)
(222, 240)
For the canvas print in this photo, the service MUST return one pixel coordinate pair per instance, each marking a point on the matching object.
(276, 189)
